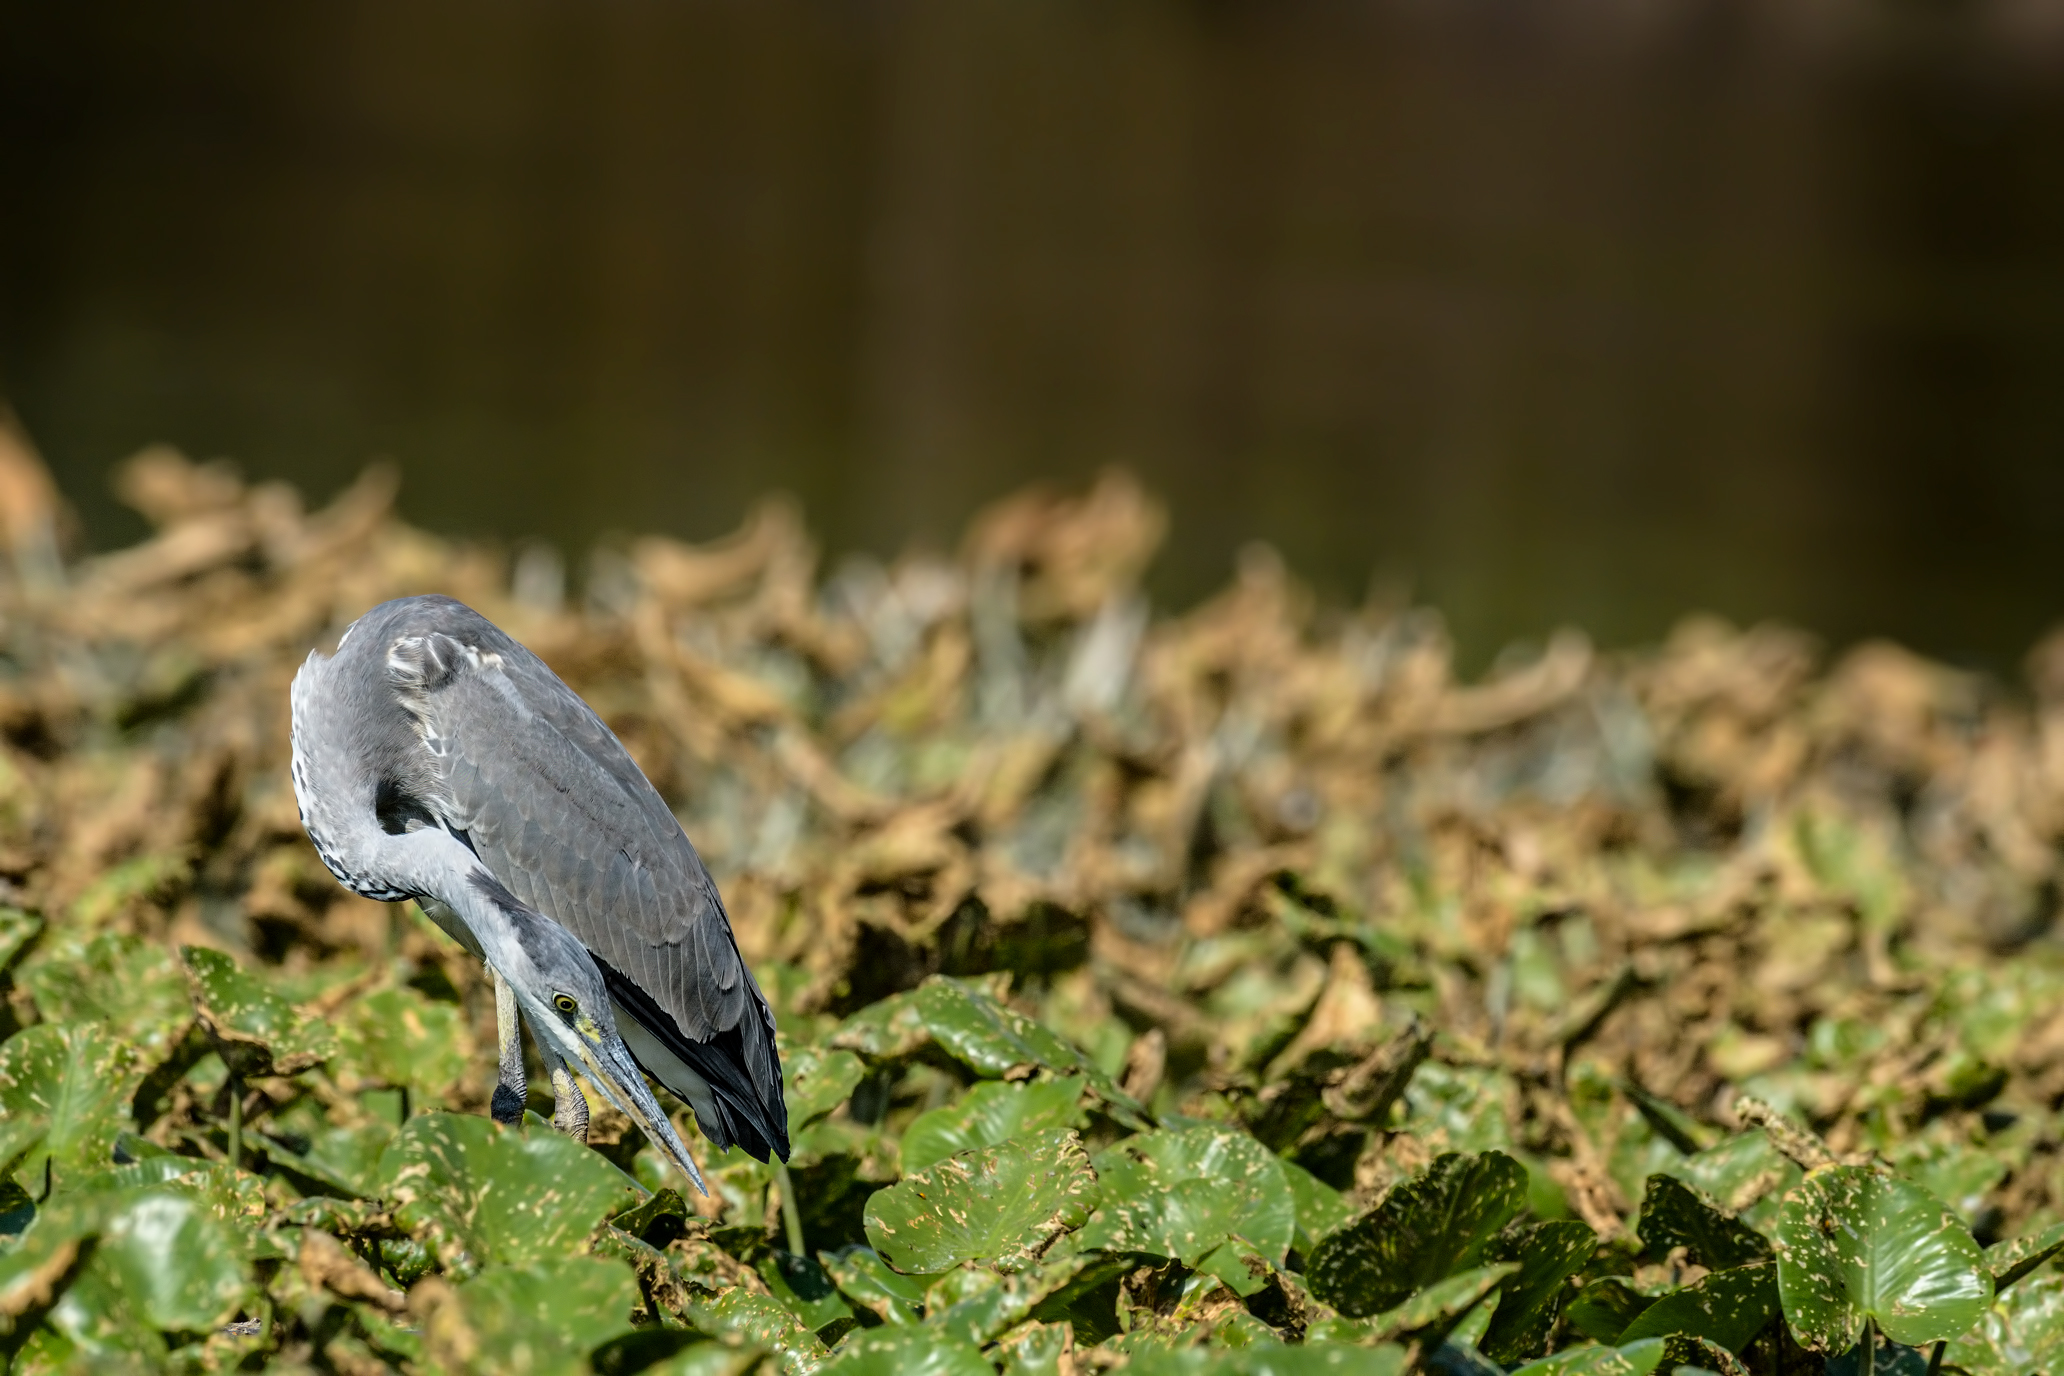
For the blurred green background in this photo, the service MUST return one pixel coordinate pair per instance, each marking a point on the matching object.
(1553, 311)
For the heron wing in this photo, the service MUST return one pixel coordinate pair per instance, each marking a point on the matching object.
(554, 805)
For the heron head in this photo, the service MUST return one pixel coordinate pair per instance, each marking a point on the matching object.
(568, 1009)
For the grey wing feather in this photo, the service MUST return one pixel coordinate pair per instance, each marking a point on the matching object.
(552, 803)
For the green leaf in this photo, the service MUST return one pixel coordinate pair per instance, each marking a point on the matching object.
(991, 1112)
(17, 930)
(982, 1317)
(181, 1265)
(1425, 1229)
(907, 1352)
(347, 1159)
(1182, 1192)
(398, 1037)
(2022, 1331)
(257, 1031)
(1632, 1359)
(1548, 1255)
(975, 1029)
(1603, 1309)
(547, 1315)
(1727, 1308)
(1320, 1207)
(865, 1279)
(130, 988)
(1436, 1305)
(1745, 1174)
(758, 1320)
(498, 1195)
(801, 1286)
(818, 1082)
(2009, 1261)
(997, 1205)
(1853, 1244)
(1676, 1214)
(64, 1094)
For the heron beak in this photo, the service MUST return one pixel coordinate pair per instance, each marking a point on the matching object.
(608, 1065)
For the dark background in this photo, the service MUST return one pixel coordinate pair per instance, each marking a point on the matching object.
(1566, 312)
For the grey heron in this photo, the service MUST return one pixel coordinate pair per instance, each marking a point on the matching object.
(437, 759)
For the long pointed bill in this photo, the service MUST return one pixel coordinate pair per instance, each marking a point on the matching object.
(608, 1064)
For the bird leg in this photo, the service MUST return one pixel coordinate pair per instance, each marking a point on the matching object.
(569, 1104)
(512, 1083)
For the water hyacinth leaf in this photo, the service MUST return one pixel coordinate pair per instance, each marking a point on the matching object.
(2009, 1261)
(907, 1352)
(64, 1094)
(998, 1205)
(1726, 1308)
(2022, 1331)
(1630, 1359)
(868, 1281)
(17, 930)
(1548, 1254)
(818, 1081)
(501, 1195)
(257, 1031)
(347, 1159)
(1677, 1214)
(398, 1037)
(755, 1319)
(801, 1286)
(130, 988)
(981, 1033)
(546, 1316)
(1603, 1309)
(994, 1309)
(1745, 1175)
(1437, 1306)
(1320, 1208)
(991, 1112)
(180, 1265)
(1852, 1244)
(1425, 1229)
(1182, 1192)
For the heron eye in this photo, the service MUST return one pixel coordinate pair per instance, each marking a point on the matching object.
(565, 1004)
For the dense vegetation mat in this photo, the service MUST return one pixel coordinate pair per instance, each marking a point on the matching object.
(1236, 992)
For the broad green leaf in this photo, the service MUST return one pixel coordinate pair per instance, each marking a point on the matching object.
(132, 989)
(982, 1317)
(1548, 1255)
(498, 1195)
(1853, 1244)
(1727, 1308)
(181, 1266)
(397, 1037)
(740, 1314)
(1603, 1309)
(17, 930)
(1676, 1214)
(1309, 1359)
(981, 1033)
(2009, 1261)
(996, 1205)
(2021, 1331)
(868, 1281)
(548, 1315)
(257, 1031)
(1460, 1108)
(1745, 1175)
(1182, 1192)
(907, 1352)
(991, 1112)
(1425, 1229)
(1631, 1359)
(64, 1095)
(345, 1158)
(1320, 1207)
(801, 1286)
(818, 1082)
(1437, 1305)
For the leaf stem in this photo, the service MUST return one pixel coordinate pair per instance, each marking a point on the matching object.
(1935, 1357)
(791, 1215)
(1870, 1348)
